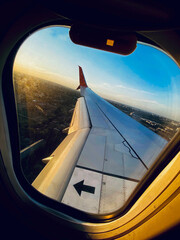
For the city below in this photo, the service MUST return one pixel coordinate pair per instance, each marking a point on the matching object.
(164, 127)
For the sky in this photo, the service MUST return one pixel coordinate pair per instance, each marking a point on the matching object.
(147, 79)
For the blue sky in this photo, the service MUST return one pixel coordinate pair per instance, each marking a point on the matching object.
(147, 79)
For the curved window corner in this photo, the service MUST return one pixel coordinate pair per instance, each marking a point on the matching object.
(92, 123)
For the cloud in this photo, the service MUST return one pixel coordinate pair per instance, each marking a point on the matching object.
(58, 33)
(106, 84)
(134, 89)
(63, 37)
(40, 69)
(146, 101)
(136, 100)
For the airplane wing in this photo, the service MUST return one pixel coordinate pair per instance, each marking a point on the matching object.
(102, 159)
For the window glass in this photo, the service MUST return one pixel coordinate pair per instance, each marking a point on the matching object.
(76, 147)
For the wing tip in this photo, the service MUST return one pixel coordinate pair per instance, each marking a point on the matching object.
(82, 79)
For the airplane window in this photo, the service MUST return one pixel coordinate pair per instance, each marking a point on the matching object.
(92, 123)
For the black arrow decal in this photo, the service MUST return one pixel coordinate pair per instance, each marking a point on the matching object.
(85, 188)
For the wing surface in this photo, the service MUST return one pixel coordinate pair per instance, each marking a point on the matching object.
(116, 153)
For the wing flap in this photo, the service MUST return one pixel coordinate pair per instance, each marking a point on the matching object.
(53, 179)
